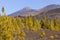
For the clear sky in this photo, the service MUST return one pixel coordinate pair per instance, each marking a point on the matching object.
(15, 5)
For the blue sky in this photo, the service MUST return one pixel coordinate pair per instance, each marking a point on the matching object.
(15, 5)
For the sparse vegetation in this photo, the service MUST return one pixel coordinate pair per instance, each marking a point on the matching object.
(52, 37)
(42, 34)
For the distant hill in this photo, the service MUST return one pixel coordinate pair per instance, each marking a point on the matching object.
(49, 11)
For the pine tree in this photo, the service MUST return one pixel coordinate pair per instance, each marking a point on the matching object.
(36, 24)
(20, 22)
(30, 22)
(52, 25)
(56, 24)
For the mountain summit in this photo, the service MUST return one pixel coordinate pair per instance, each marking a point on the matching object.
(26, 8)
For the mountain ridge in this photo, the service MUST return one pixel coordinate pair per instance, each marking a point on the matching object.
(26, 11)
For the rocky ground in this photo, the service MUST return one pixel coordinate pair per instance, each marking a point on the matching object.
(46, 35)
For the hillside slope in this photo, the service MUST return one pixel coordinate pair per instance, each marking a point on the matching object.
(26, 11)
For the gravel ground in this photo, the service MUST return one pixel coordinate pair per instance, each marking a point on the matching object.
(34, 35)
